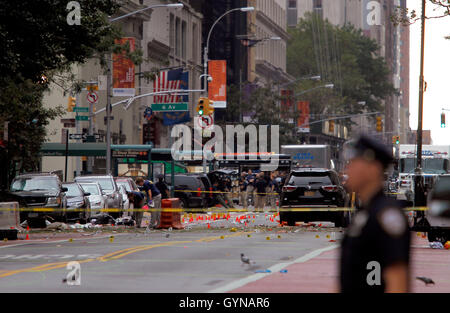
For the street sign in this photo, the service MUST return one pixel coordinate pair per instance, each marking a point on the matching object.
(205, 122)
(169, 107)
(92, 97)
(77, 136)
(81, 109)
(82, 118)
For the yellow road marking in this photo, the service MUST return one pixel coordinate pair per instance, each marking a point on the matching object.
(109, 256)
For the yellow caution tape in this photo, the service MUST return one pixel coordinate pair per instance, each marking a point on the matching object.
(201, 210)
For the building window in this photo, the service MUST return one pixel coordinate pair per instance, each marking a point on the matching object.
(194, 43)
(183, 40)
(172, 32)
(317, 4)
(177, 37)
(292, 4)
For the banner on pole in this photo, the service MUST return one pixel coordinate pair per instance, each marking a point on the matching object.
(123, 71)
(217, 88)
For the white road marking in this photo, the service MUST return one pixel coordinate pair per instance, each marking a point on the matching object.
(274, 268)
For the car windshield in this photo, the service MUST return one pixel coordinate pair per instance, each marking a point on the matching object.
(442, 185)
(35, 183)
(125, 184)
(430, 166)
(92, 189)
(105, 183)
(72, 190)
(310, 179)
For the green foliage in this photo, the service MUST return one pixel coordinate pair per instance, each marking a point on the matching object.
(342, 56)
(38, 47)
(262, 104)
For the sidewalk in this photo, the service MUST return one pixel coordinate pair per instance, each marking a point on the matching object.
(320, 274)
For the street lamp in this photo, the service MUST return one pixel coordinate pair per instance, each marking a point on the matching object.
(329, 86)
(109, 82)
(206, 49)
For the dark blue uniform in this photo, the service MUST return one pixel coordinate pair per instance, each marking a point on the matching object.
(378, 232)
(150, 186)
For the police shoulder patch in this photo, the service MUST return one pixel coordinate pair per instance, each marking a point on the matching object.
(392, 222)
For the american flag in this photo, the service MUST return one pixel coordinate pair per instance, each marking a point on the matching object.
(170, 80)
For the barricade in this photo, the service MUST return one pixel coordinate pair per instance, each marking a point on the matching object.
(170, 215)
(9, 220)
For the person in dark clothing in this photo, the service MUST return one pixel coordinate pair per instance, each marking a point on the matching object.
(137, 198)
(260, 188)
(162, 187)
(243, 192)
(153, 197)
(375, 248)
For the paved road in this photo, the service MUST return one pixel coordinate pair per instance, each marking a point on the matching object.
(200, 259)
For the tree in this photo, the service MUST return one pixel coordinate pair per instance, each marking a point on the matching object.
(342, 56)
(260, 105)
(34, 53)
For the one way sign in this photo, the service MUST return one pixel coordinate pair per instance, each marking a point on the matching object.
(78, 136)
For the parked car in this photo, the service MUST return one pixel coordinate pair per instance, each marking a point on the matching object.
(78, 205)
(438, 215)
(38, 190)
(317, 188)
(125, 200)
(109, 186)
(127, 182)
(96, 197)
(188, 188)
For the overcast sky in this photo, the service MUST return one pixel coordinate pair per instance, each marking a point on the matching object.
(436, 72)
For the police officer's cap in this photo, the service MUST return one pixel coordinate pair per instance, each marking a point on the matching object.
(370, 150)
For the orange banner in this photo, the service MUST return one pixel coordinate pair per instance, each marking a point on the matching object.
(217, 89)
(303, 116)
(123, 71)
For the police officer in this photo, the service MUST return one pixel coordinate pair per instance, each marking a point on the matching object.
(375, 248)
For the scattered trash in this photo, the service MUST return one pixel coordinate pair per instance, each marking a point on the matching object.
(58, 226)
(447, 245)
(233, 229)
(126, 220)
(47, 223)
(426, 280)
(70, 240)
(111, 239)
(436, 245)
(222, 237)
(283, 271)
(249, 235)
(102, 218)
(77, 226)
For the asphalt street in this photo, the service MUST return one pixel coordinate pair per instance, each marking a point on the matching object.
(196, 259)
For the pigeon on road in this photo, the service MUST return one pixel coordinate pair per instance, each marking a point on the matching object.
(246, 260)
(426, 280)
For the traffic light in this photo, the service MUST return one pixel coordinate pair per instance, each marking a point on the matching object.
(204, 107)
(71, 103)
(331, 127)
(379, 124)
(396, 140)
(442, 120)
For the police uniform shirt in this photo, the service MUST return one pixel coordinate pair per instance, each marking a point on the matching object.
(378, 232)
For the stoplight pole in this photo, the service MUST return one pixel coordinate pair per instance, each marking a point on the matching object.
(419, 199)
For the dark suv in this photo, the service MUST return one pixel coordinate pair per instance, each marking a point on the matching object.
(313, 188)
(39, 190)
(190, 189)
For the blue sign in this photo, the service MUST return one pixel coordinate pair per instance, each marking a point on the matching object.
(303, 156)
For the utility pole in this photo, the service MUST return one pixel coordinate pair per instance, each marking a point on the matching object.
(108, 115)
(419, 198)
